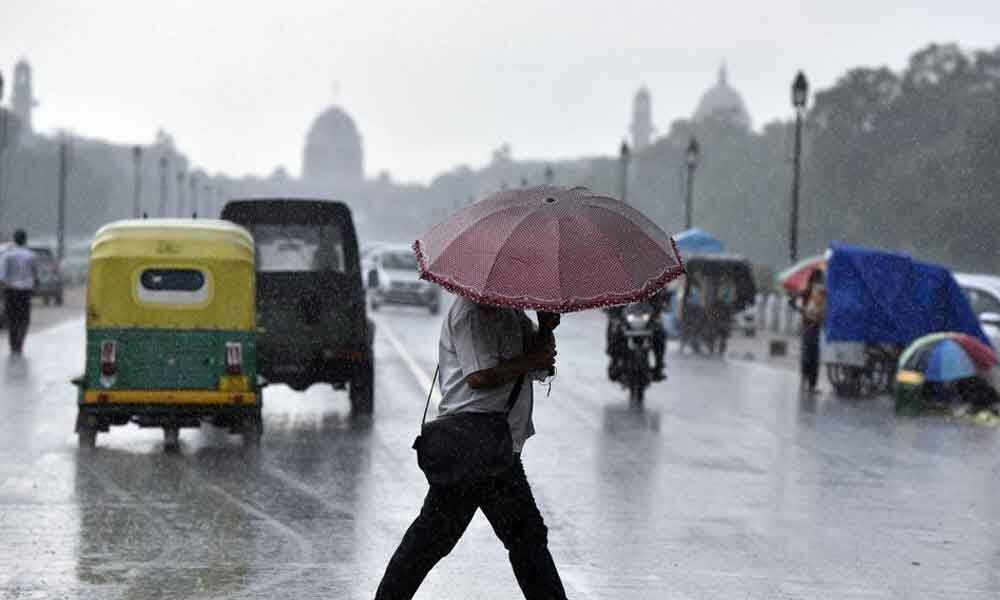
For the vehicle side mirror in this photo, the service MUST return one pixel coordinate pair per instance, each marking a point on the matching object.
(372, 279)
(990, 318)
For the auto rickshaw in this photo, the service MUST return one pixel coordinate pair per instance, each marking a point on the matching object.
(171, 330)
(716, 288)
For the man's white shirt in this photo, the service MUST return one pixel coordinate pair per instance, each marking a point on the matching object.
(18, 268)
(476, 337)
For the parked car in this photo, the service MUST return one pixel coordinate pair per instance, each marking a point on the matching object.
(50, 280)
(393, 278)
(984, 295)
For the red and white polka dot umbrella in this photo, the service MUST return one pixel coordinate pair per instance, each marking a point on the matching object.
(549, 248)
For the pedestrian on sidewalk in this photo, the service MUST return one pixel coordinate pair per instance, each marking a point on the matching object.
(811, 304)
(485, 353)
(18, 277)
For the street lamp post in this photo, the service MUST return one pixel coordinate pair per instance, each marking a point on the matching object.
(193, 180)
(137, 181)
(163, 186)
(800, 93)
(624, 155)
(61, 199)
(691, 156)
(179, 209)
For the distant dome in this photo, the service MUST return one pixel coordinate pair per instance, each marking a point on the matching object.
(722, 102)
(333, 149)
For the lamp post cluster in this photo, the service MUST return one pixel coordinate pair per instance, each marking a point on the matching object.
(692, 156)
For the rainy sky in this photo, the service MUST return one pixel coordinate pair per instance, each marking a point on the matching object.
(435, 84)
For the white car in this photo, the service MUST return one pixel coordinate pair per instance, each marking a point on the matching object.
(392, 278)
(983, 292)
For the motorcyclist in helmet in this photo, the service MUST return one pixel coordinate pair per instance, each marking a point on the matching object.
(616, 336)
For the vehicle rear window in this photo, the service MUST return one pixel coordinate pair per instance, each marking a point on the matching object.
(299, 248)
(172, 280)
(399, 260)
(173, 286)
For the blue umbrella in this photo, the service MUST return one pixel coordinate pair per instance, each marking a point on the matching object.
(697, 240)
(948, 361)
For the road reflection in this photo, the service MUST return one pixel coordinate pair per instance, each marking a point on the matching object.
(219, 519)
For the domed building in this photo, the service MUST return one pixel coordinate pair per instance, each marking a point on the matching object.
(723, 103)
(333, 149)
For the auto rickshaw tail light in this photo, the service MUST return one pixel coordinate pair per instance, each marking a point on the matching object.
(234, 358)
(109, 358)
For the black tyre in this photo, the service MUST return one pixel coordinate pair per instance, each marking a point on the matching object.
(59, 299)
(362, 388)
(171, 439)
(252, 430)
(86, 439)
(845, 379)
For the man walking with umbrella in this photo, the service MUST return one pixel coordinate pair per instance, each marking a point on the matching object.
(548, 249)
(485, 352)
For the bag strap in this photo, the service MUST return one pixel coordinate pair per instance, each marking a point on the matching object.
(430, 392)
(514, 393)
(511, 400)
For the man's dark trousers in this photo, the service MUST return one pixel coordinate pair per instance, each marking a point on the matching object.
(18, 305)
(508, 504)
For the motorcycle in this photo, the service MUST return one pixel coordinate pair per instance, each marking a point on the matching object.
(633, 358)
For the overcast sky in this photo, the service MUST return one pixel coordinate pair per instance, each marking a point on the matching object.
(436, 84)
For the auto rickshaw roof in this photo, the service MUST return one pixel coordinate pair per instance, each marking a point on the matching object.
(189, 238)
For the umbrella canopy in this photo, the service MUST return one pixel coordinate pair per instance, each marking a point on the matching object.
(947, 356)
(549, 248)
(794, 279)
(695, 240)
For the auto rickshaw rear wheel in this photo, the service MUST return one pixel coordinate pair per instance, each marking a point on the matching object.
(86, 438)
(252, 430)
(171, 439)
(362, 387)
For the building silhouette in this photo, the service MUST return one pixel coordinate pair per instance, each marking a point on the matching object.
(722, 103)
(642, 120)
(333, 153)
(22, 97)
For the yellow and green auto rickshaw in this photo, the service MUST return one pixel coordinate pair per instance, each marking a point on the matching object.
(171, 329)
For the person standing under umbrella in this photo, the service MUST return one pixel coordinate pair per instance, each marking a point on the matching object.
(484, 352)
(811, 304)
(18, 277)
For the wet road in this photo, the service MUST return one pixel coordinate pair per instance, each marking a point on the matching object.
(727, 485)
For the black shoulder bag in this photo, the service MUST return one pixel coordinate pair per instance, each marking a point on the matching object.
(466, 446)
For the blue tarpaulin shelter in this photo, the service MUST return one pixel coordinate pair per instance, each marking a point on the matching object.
(881, 297)
(698, 241)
